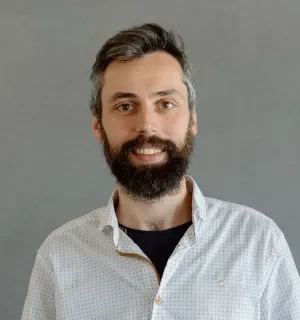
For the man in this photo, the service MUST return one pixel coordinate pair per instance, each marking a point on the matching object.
(159, 249)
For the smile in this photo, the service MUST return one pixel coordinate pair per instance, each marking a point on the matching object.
(147, 151)
(148, 156)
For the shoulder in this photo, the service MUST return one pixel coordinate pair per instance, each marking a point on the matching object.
(238, 213)
(72, 232)
(244, 223)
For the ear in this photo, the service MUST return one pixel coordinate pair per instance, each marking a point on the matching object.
(194, 127)
(96, 129)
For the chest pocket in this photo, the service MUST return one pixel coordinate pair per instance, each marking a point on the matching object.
(216, 297)
(234, 298)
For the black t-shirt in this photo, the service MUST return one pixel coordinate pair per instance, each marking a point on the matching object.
(158, 245)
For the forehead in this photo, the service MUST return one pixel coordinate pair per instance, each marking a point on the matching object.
(149, 73)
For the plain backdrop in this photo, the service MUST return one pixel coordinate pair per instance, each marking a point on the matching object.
(246, 57)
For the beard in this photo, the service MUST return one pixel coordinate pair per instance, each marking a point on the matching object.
(149, 182)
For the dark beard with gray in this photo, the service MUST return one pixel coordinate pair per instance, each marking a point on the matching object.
(149, 182)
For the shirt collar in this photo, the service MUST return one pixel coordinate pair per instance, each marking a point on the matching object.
(109, 218)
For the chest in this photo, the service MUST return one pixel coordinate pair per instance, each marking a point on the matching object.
(211, 286)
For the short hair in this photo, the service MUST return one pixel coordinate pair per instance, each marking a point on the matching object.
(135, 42)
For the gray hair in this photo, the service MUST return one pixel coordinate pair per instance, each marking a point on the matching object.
(135, 42)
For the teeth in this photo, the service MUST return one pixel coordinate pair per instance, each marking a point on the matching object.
(147, 151)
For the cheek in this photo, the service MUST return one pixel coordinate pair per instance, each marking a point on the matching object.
(116, 135)
(176, 127)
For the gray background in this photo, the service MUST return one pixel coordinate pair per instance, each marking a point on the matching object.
(246, 58)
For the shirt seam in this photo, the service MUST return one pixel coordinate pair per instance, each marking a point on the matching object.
(277, 255)
(41, 258)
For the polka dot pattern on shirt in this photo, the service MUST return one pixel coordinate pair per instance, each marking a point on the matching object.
(232, 263)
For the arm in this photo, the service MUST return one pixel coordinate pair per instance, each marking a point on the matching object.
(281, 296)
(40, 300)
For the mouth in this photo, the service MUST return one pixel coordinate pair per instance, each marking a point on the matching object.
(148, 155)
(148, 151)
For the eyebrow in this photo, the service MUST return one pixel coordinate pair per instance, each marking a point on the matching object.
(162, 93)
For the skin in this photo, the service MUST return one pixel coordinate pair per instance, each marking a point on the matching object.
(151, 113)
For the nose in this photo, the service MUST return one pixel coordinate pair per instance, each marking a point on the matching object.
(146, 122)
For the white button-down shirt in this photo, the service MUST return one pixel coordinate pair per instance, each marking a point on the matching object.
(232, 263)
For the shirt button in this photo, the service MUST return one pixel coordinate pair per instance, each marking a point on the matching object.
(158, 300)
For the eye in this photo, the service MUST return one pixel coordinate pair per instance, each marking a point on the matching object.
(124, 107)
(166, 105)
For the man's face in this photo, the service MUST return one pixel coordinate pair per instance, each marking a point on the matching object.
(147, 129)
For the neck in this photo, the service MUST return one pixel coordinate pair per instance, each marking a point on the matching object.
(166, 213)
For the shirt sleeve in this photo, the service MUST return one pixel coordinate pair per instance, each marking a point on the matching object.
(281, 296)
(40, 299)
